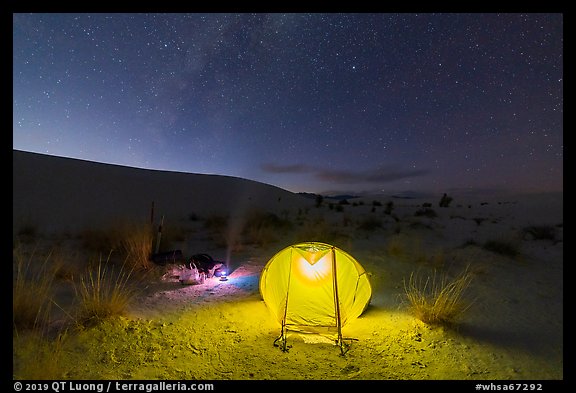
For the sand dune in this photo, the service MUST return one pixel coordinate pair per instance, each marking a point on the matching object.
(55, 193)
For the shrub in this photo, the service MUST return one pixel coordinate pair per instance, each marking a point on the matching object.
(437, 300)
(426, 212)
(445, 200)
(479, 220)
(389, 207)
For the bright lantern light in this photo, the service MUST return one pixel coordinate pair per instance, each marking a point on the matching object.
(314, 273)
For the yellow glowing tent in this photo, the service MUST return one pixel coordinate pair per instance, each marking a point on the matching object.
(314, 288)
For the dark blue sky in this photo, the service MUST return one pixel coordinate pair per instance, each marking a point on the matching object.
(306, 102)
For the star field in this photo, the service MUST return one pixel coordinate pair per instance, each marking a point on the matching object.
(306, 102)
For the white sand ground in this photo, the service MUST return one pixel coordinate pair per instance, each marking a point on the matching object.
(222, 330)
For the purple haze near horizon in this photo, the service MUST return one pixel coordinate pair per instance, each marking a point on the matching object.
(337, 103)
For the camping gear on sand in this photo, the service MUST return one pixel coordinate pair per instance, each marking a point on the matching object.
(314, 288)
(196, 269)
(200, 267)
(207, 265)
(191, 277)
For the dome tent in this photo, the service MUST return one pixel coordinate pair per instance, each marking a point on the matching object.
(314, 288)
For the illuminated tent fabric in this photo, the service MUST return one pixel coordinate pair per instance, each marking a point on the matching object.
(314, 288)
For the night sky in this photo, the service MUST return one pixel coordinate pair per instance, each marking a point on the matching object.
(331, 103)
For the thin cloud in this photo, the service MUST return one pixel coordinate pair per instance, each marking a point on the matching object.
(375, 176)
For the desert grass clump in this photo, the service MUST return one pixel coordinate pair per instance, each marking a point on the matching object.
(135, 246)
(131, 240)
(103, 293)
(437, 300)
(32, 291)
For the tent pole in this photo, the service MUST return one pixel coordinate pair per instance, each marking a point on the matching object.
(283, 331)
(337, 302)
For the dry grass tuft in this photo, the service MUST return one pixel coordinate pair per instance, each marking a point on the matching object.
(31, 291)
(133, 242)
(135, 245)
(437, 300)
(103, 293)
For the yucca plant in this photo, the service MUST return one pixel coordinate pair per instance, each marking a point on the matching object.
(437, 300)
(103, 293)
